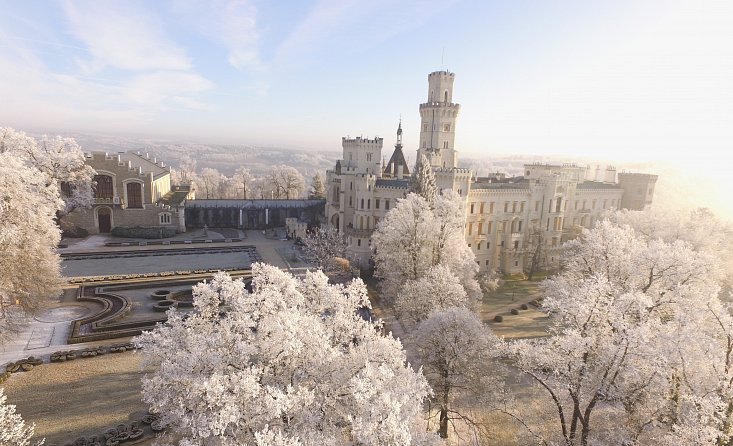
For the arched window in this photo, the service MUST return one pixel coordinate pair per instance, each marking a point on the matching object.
(445, 96)
(103, 187)
(134, 195)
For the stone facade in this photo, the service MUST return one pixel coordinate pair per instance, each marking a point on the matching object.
(507, 218)
(131, 190)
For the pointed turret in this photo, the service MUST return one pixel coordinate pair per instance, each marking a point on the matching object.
(397, 166)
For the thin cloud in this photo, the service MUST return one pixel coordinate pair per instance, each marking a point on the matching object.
(120, 35)
(355, 24)
(230, 23)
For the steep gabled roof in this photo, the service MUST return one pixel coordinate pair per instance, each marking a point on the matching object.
(397, 159)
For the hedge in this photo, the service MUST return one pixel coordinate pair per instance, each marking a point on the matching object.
(141, 232)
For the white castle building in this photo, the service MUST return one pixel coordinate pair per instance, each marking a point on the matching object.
(506, 217)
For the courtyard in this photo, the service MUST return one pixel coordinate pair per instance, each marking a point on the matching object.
(98, 391)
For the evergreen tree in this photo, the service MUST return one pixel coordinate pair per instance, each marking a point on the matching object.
(318, 189)
(423, 180)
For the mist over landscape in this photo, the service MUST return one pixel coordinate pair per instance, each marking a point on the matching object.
(684, 184)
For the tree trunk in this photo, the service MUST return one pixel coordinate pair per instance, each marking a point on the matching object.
(443, 430)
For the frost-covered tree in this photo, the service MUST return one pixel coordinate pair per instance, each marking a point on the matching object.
(620, 318)
(413, 237)
(13, 430)
(700, 228)
(186, 172)
(323, 245)
(208, 182)
(289, 363)
(29, 264)
(318, 188)
(438, 290)
(286, 182)
(422, 181)
(455, 350)
(60, 161)
(242, 177)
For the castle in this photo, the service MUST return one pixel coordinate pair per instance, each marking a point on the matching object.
(511, 222)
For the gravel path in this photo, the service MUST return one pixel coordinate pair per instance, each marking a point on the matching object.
(81, 397)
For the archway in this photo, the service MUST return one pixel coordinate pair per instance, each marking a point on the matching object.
(104, 218)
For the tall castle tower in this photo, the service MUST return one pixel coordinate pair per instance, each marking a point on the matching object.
(438, 121)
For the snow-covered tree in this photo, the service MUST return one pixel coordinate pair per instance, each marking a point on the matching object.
(29, 264)
(700, 228)
(286, 182)
(618, 315)
(323, 244)
(289, 363)
(422, 181)
(242, 177)
(438, 290)
(13, 430)
(413, 237)
(60, 161)
(318, 189)
(456, 350)
(186, 171)
(208, 182)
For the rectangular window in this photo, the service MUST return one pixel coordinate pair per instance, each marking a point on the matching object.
(165, 219)
(506, 206)
(605, 202)
(514, 207)
(491, 207)
(446, 128)
(481, 211)
(386, 204)
(521, 207)
(369, 203)
(558, 205)
(480, 228)
(520, 226)
(369, 156)
(376, 203)
(490, 227)
(424, 127)
(358, 242)
(470, 228)
(472, 208)
(594, 204)
(478, 246)
(516, 244)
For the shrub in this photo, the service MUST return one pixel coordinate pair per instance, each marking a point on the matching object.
(524, 307)
(515, 311)
(498, 318)
(143, 232)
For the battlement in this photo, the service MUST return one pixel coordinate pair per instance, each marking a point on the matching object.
(358, 141)
(638, 176)
(441, 74)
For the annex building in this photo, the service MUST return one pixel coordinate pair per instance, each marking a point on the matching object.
(507, 218)
(131, 190)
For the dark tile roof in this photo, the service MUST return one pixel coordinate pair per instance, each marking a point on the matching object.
(397, 184)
